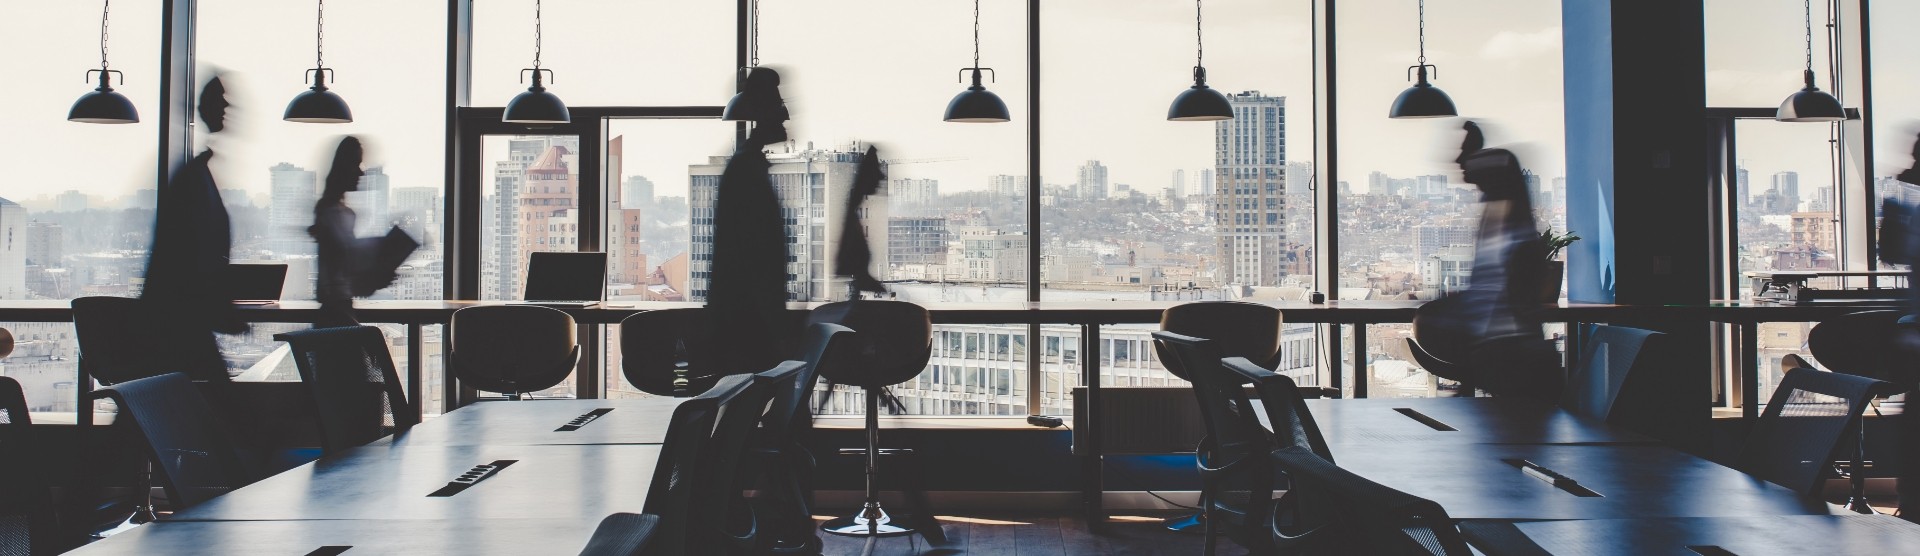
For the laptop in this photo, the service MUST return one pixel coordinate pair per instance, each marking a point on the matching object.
(566, 279)
(256, 284)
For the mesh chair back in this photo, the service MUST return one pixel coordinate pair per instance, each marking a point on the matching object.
(512, 349)
(113, 348)
(1240, 329)
(894, 344)
(1236, 479)
(354, 383)
(790, 411)
(193, 455)
(621, 534)
(1441, 342)
(654, 343)
(27, 519)
(1336, 509)
(1287, 413)
(704, 442)
(1862, 344)
(1598, 386)
(1810, 413)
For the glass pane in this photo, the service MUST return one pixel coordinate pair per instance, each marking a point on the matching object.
(605, 52)
(80, 195)
(1895, 112)
(1407, 218)
(1788, 221)
(651, 165)
(531, 205)
(1756, 53)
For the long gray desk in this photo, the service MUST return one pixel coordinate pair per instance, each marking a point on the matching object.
(468, 537)
(386, 482)
(539, 422)
(1474, 481)
(1744, 536)
(1472, 420)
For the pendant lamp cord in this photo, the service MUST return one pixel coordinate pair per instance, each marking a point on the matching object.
(320, 36)
(976, 33)
(753, 36)
(1423, 32)
(104, 9)
(536, 39)
(1199, 46)
(1809, 9)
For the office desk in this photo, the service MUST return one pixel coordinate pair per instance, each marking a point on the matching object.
(1745, 536)
(1474, 420)
(365, 536)
(388, 482)
(1472, 482)
(536, 422)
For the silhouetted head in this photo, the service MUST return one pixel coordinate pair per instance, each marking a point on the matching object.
(1496, 172)
(213, 105)
(344, 175)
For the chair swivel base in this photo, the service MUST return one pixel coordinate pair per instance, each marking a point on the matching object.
(1190, 523)
(872, 521)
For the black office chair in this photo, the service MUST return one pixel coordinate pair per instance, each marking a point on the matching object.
(113, 347)
(1236, 478)
(1286, 407)
(786, 464)
(1615, 380)
(196, 458)
(29, 522)
(669, 352)
(1861, 344)
(694, 489)
(1239, 329)
(1794, 442)
(1338, 512)
(354, 383)
(622, 534)
(1439, 347)
(512, 349)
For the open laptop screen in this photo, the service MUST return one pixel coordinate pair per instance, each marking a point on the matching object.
(256, 282)
(564, 276)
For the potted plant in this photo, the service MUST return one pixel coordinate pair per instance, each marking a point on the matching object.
(1556, 269)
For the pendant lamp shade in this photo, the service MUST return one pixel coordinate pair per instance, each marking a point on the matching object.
(1810, 104)
(103, 105)
(759, 100)
(977, 104)
(1422, 100)
(318, 105)
(1200, 103)
(536, 105)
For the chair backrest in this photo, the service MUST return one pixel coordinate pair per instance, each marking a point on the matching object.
(110, 340)
(1862, 344)
(653, 343)
(1292, 423)
(1442, 335)
(1335, 509)
(1240, 329)
(893, 346)
(1235, 474)
(790, 411)
(1793, 443)
(512, 349)
(621, 534)
(354, 383)
(1617, 377)
(705, 441)
(193, 455)
(27, 519)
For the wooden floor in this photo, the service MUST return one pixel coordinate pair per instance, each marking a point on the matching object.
(1012, 534)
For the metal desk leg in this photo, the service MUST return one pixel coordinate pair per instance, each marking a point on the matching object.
(1360, 378)
(416, 371)
(1748, 376)
(1092, 487)
(1334, 378)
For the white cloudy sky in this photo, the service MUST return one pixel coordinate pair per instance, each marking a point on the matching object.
(881, 71)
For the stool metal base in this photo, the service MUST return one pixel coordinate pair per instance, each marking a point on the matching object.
(872, 521)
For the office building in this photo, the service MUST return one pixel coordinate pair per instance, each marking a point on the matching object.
(371, 203)
(1249, 202)
(295, 190)
(813, 185)
(1092, 182)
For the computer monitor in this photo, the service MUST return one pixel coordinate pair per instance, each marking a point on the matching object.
(566, 276)
(256, 283)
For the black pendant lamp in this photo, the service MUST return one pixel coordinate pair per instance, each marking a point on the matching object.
(1199, 103)
(1423, 100)
(319, 105)
(749, 105)
(1810, 104)
(536, 106)
(103, 105)
(977, 104)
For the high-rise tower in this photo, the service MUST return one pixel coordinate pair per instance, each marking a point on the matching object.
(1249, 201)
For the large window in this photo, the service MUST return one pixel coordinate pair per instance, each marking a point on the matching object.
(77, 211)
